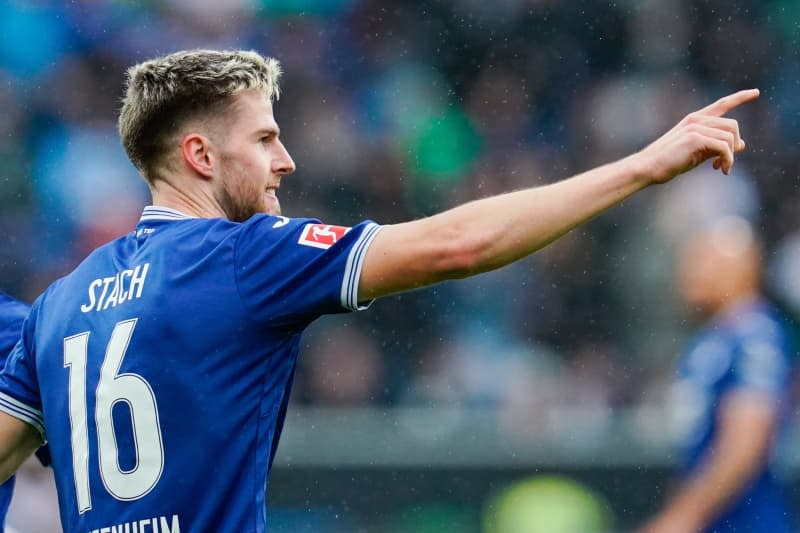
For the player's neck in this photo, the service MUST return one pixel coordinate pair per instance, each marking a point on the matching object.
(197, 203)
(740, 300)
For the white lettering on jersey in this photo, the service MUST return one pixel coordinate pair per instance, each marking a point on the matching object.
(123, 293)
(106, 283)
(92, 287)
(158, 524)
(114, 294)
(125, 286)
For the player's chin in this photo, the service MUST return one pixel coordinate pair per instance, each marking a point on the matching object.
(271, 205)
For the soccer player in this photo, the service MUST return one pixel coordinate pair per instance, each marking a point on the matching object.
(159, 370)
(732, 392)
(12, 313)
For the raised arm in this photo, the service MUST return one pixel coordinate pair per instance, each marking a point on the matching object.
(18, 440)
(486, 234)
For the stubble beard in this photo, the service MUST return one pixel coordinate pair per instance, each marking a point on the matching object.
(239, 204)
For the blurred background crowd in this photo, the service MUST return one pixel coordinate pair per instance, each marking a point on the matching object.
(398, 109)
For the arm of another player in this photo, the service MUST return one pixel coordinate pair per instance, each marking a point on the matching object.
(746, 426)
(18, 440)
(486, 234)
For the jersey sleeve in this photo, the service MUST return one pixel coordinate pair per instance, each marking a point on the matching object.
(294, 270)
(763, 364)
(19, 387)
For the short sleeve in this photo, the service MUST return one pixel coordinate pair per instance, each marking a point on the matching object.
(19, 387)
(762, 364)
(294, 270)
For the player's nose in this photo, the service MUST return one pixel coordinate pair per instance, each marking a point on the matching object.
(283, 163)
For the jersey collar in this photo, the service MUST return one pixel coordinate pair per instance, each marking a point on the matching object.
(155, 212)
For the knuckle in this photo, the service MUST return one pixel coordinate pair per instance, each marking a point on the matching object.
(695, 141)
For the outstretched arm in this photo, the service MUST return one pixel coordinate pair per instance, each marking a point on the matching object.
(486, 234)
(18, 440)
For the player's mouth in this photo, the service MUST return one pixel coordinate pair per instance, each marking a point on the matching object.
(272, 192)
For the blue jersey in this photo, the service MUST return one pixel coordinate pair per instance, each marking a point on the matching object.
(12, 313)
(751, 348)
(159, 370)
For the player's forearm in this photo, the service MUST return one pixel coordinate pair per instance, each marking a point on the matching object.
(493, 232)
(18, 441)
(499, 230)
(733, 460)
(704, 497)
(487, 234)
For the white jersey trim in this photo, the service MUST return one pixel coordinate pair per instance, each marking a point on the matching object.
(352, 270)
(156, 212)
(23, 412)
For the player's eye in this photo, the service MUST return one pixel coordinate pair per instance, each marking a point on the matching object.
(269, 137)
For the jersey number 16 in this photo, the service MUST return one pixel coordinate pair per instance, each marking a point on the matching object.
(112, 387)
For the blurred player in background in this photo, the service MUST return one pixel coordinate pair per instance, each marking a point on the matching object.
(12, 314)
(732, 393)
(159, 371)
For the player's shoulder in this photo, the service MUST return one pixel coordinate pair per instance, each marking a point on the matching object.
(82, 271)
(761, 320)
(278, 223)
(274, 227)
(213, 230)
(765, 340)
(308, 230)
(101, 254)
(309, 234)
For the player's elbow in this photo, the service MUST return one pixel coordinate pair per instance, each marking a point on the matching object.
(463, 254)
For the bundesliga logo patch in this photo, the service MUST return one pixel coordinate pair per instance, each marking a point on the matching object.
(321, 235)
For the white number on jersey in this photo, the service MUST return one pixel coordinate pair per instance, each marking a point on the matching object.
(112, 388)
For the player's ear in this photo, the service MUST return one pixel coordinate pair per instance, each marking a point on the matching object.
(197, 153)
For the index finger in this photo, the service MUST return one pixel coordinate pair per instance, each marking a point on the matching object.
(732, 101)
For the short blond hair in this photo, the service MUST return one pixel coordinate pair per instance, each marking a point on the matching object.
(162, 94)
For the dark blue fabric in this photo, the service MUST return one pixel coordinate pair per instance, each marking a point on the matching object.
(750, 348)
(12, 314)
(212, 312)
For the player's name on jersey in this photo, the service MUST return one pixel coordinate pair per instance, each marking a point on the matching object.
(114, 290)
(159, 524)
